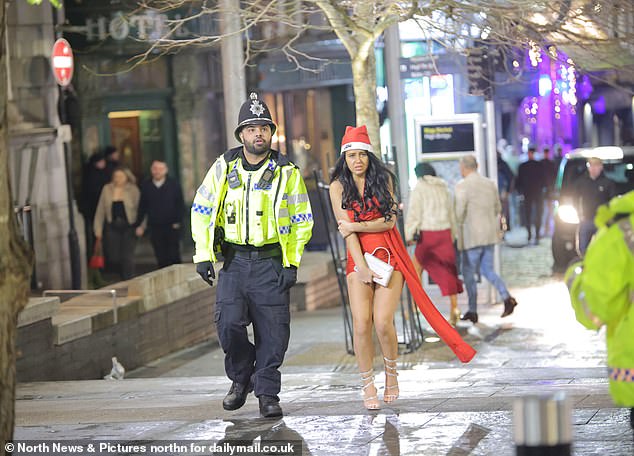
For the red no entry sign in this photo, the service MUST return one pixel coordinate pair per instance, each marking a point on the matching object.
(62, 61)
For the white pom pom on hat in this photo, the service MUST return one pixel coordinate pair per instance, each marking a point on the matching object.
(356, 138)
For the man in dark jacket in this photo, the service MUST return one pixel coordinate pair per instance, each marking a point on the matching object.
(592, 189)
(162, 202)
(550, 176)
(530, 183)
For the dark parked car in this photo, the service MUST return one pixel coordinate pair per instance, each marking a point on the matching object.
(618, 165)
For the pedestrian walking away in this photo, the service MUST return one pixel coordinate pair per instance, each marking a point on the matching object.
(430, 224)
(477, 215)
(162, 204)
(361, 192)
(253, 208)
(602, 293)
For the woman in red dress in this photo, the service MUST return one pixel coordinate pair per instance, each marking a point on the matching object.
(361, 192)
(362, 200)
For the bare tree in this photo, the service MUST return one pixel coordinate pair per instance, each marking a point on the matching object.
(598, 35)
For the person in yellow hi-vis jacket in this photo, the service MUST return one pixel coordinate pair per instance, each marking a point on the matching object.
(253, 206)
(602, 292)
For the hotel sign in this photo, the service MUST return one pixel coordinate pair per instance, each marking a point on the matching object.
(145, 26)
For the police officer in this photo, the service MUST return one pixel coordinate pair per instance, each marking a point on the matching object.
(254, 204)
(602, 292)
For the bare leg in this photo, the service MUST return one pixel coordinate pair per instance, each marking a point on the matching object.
(386, 301)
(417, 266)
(361, 296)
(454, 312)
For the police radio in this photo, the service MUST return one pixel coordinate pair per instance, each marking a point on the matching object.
(267, 177)
(233, 178)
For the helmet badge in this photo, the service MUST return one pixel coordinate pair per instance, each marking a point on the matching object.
(256, 107)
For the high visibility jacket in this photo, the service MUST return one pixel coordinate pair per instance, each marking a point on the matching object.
(602, 291)
(255, 212)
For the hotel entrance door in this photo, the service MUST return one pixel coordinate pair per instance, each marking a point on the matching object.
(138, 137)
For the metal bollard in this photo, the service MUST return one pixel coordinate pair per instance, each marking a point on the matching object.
(543, 425)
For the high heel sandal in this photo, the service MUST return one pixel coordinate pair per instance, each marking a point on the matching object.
(454, 316)
(389, 395)
(370, 402)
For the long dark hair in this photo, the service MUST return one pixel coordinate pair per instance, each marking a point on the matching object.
(378, 181)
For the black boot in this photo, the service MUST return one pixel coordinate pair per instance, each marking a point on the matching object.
(509, 306)
(237, 396)
(471, 316)
(269, 406)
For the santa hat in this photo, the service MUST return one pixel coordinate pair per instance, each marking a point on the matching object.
(357, 139)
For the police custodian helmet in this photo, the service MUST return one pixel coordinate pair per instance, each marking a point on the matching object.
(254, 112)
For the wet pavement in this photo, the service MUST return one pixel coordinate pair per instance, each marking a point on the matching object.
(445, 407)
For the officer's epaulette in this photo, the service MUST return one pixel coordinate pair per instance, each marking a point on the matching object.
(281, 159)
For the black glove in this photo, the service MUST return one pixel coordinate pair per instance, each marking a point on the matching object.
(288, 278)
(206, 270)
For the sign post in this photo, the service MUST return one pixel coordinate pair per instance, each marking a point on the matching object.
(63, 64)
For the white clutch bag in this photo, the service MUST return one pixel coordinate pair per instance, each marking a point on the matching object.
(379, 267)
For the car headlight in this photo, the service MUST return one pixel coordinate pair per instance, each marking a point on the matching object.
(568, 214)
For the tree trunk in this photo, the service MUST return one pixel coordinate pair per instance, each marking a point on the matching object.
(364, 85)
(15, 261)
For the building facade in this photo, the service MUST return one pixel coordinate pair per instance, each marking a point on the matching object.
(36, 154)
(166, 107)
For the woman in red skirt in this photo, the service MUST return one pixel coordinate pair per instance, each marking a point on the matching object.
(430, 222)
(361, 192)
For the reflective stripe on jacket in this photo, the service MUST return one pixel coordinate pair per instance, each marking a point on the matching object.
(255, 212)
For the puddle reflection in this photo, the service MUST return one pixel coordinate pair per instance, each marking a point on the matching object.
(263, 432)
(389, 443)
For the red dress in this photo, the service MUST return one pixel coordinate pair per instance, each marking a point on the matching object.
(435, 252)
(399, 258)
(370, 241)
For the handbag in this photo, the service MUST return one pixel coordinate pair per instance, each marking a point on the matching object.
(379, 267)
(96, 260)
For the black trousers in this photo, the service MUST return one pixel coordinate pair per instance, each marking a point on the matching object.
(118, 245)
(166, 244)
(247, 293)
(535, 202)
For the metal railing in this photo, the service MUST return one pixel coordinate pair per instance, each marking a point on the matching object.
(112, 292)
